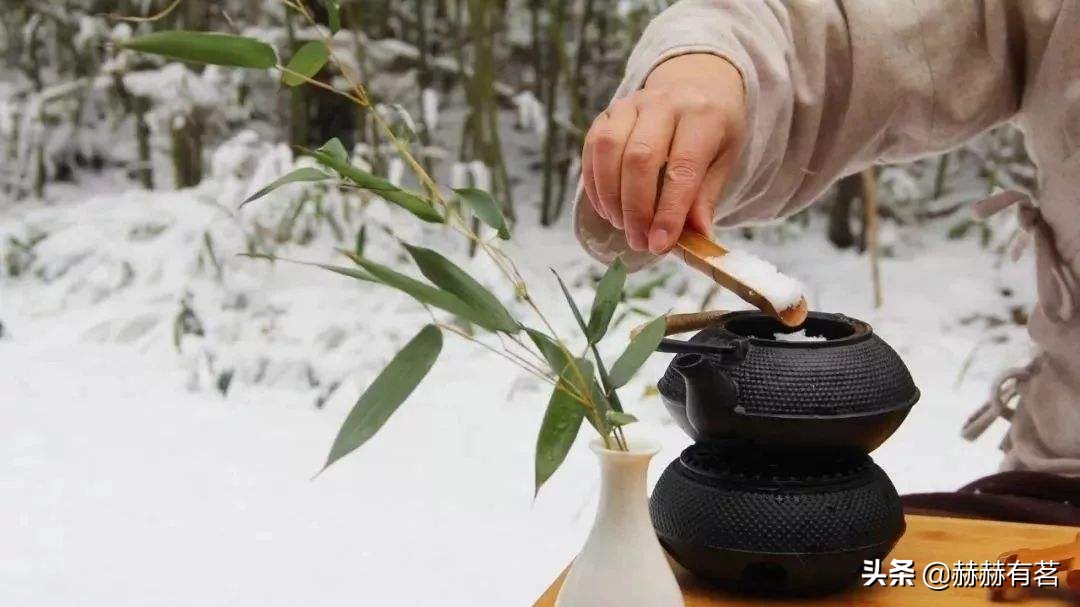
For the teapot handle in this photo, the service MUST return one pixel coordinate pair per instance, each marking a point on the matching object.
(730, 353)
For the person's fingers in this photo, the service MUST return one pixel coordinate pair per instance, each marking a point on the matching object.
(645, 154)
(608, 139)
(697, 139)
(587, 179)
(703, 211)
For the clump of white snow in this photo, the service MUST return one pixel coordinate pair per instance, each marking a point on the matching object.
(481, 175)
(530, 113)
(395, 171)
(286, 336)
(799, 335)
(175, 87)
(429, 100)
(459, 175)
(782, 291)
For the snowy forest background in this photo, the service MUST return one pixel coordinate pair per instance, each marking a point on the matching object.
(164, 401)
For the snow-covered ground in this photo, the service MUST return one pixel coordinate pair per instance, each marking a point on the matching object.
(127, 478)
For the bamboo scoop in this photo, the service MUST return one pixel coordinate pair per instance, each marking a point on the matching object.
(704, 254)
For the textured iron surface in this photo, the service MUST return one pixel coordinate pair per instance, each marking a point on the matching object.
(719, 501)
(851, 377)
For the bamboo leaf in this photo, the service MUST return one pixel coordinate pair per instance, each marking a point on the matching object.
(357, 273)
(960, 229)
(308, 60)
(412, 203)
(620, 418)
(335, 149)
(421, 207)
(332, 158)
(609, 389)
(599, 400)
(485, 208)
(560, 427)
(608, 294)
(298, 175)
(582, 379)
(448, 276)
(361, 240)
(570, 302)
(333, 14)
(552, 353)
(382, 398)
(426, 293)
(591, 391)
(206, 47)
(637, 352)
(645, 289)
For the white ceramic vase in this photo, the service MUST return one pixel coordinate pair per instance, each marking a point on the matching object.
(622, 563)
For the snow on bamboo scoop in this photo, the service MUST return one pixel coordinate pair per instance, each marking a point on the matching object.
(753, 279)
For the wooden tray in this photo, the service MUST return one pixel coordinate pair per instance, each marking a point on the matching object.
(928, 539)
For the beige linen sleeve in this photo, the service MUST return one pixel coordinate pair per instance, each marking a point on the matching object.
(833, 86)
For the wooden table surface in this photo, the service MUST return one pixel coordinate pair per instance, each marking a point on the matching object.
(927, 539)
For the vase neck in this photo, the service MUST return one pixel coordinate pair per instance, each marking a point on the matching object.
(623, 476)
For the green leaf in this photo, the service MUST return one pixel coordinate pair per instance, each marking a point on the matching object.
(425, 293)
(206, 47)
(645, 289)
(598, 398)
(332, 158)
(335, 149)
(448, 276)
(485, 208)
(361, 240)
(619, 418)
(570, 301)
(421, 207)
(301, 174)
(307, 62)
(333, 14)
(412, 203)
(552, 353)
(637, 352)
(608, 294)
(564, 367)
(560, 427)
(592, 388)
(357, 273)
(392, 386)
(610, 389)
(960, 229)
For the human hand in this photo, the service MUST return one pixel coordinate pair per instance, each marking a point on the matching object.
(688, 121)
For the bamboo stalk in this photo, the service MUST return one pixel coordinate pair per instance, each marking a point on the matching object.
(941, 176)
(554, 65)
(870, 215)
(535, 7)
(425, 79)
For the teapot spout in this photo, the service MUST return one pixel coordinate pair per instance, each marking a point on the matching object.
(710, 395)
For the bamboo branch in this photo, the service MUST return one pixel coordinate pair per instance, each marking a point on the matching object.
(154, 17)
(453, 218)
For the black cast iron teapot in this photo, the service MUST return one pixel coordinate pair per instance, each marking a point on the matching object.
(740, 378)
